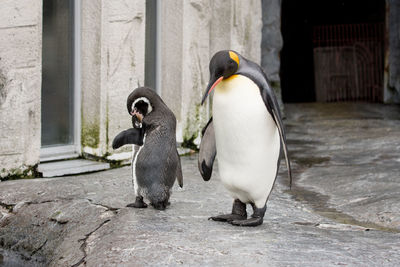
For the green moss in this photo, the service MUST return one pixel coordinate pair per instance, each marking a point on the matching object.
(116, 163)
(24, 172)
(90, 135)
(55, 214)
(189, 142)
(107, 129)
(191, 131)
(107, 137)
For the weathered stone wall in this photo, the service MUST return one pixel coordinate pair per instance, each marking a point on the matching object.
(113, 39)
(91, 66)
(20, 85)
(392, 86)
(192, 32)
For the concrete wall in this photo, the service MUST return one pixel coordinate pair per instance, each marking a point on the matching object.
(392, 68)
(20, 85)
(196, 30)
(113, 39)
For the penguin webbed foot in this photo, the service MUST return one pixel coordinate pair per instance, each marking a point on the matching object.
(228, 218)
(256, 219)
(248, 222)
(238, 213)
(139, 203)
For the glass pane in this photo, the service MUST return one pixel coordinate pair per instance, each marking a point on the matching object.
(57, 90)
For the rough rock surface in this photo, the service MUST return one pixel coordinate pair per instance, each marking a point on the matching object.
(342, 209)
(349, 155)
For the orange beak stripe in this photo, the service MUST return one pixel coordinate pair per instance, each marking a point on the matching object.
(215, 84)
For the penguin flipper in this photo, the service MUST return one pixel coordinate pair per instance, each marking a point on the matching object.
(207, 152)
(130, 136)
(179, 175)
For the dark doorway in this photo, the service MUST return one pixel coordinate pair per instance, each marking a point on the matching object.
(299, 20)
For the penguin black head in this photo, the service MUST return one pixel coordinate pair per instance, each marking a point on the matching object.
(223, 64)
(138, 107)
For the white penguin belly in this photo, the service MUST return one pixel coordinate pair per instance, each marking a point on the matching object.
(247, 140)
(136, 150)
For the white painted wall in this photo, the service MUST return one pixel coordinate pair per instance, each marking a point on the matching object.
(20, 84)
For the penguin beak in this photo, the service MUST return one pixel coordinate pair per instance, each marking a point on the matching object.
(211, 85)
(137, 118)
(138, 115)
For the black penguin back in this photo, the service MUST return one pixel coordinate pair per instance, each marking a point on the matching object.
(158, 161)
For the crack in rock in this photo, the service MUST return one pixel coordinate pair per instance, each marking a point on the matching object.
(108, 208)
(84, 244)
(9, 207)
(39, 248)
(36, 202)
(40, 202)
(59, 221)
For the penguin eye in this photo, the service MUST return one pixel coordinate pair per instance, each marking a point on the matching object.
(219, 71)
(142, 105)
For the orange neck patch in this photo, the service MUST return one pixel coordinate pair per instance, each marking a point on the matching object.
(231, 77)
(234, 57)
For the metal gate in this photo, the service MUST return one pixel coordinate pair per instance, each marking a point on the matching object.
(348, 62)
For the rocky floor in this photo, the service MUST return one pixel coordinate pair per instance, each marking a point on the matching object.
(343, 208)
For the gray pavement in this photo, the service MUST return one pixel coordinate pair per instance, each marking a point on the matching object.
(342, 210)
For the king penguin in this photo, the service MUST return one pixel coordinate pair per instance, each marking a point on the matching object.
(156, 162)
(245, 133)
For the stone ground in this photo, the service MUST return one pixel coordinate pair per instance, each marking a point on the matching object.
(342, 210)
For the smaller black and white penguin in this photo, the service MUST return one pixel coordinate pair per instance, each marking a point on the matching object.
(245, 133)
(156, 162)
